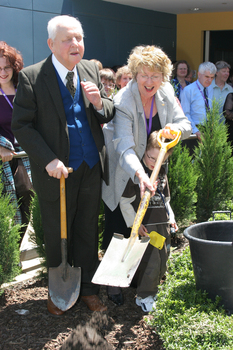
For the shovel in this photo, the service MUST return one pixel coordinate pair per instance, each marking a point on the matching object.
(64, 280)
(123, 256)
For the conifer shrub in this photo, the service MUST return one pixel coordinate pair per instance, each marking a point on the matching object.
(213, 165)
(182, 182)
(9, 240)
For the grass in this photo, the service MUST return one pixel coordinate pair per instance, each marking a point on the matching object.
(186, 318)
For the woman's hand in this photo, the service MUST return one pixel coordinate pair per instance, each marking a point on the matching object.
(143, 231)
(166, 132)
(5, 154)
(144, 182)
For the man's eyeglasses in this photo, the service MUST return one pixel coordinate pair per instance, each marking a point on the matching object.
(6, 69)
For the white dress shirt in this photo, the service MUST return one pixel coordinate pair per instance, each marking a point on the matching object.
(62, 71)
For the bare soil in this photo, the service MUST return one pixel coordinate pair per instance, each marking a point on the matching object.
(121, 327)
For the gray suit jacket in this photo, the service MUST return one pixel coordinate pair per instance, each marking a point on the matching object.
(39, 121)
(126, 137)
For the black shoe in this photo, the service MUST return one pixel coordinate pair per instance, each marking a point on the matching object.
(117, 299)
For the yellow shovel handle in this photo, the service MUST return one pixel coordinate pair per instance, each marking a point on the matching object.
(63, 205)
(167, 145)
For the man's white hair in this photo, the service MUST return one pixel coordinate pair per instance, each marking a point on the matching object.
(60, 21)
(207, 67)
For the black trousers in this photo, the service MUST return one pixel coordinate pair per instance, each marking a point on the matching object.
(83, 194)
(114, 223)
(24, 192)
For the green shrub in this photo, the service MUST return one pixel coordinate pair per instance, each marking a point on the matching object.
(182, 183)
(186, 318)
(9, 240)
(213, 165)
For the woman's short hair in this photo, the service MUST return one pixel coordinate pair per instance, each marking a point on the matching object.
(176, 67)
(120, 71)
(60, 21)
(153, 58)
(222, 64)
(108, 74)
(14, 57)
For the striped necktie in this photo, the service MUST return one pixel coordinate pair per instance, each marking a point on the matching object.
(206, 100)
(70, 83)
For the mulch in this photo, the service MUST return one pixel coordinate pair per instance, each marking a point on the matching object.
(26, 324)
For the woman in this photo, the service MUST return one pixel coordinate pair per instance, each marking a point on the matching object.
(123, 76)
(181, 71)
(16, 174)
(146, 104)
(228, 114)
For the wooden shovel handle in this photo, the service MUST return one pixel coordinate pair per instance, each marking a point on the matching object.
(63, 205)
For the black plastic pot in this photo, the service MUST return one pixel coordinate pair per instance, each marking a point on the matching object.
(211, 247)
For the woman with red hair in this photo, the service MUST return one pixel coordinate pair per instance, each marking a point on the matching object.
(16, 174)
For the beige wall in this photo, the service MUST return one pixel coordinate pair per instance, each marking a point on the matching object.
(190, 34)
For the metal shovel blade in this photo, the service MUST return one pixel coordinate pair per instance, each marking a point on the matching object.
(64, 280)
(64, 291)
(112, 271)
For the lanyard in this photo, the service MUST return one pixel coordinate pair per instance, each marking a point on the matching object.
(148, 128)
(6, 98)
(205, 100)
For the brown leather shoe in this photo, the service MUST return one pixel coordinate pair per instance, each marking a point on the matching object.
(53, 309)
(94, 303)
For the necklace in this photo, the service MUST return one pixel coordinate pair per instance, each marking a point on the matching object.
(145, 103)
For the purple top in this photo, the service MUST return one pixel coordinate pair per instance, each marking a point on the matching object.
(5, 118)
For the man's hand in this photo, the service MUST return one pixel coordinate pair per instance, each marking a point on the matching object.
(166, 133)
(92, 94)
(198, 135)
(5, 154)
(144, 182)
(56, 168)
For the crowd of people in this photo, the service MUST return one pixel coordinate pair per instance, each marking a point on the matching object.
(70, 112)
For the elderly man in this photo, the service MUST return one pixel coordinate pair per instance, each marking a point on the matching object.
(58, 111)
(220, 88)
(197, 96)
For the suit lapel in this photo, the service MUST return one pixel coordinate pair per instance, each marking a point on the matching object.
(162, 109)
(52, 83)
(84, 76)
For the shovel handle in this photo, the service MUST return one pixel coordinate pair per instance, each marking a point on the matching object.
(165, 146)
(63, 205)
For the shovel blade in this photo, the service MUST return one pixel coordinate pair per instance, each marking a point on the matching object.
(112, 271)
(64, 292)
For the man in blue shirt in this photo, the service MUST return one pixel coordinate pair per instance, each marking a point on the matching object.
(58, 111)
(197, 97)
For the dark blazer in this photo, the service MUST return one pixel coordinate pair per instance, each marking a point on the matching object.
(39, 121)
